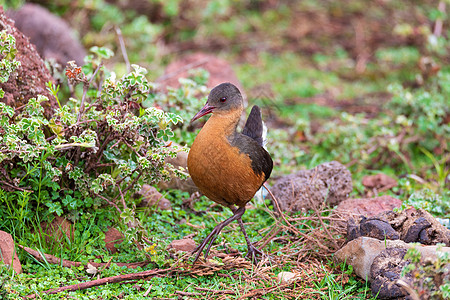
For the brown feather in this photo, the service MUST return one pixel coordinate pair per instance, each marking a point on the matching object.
(221, 171)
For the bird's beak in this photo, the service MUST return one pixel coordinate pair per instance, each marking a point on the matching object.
(207, 109)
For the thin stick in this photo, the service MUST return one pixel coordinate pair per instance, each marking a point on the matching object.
(123, 198)
(122, 48)
(228, 292)
(439, 22)
(14, 187)
(85, 89)
(109, 202)
(325, 228)
(188, 293)
(279, 209)
(148, 290)
(292, 228)
(68, 263)
(106, 280)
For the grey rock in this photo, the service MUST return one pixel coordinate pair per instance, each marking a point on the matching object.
(329, 182)
(374, 227)
(378, 229)
(418, 226)
(416, 231)
(51, 35)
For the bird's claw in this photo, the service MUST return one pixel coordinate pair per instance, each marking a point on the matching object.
(253, 252)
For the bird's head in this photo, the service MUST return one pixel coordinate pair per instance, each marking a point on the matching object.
(223, 98)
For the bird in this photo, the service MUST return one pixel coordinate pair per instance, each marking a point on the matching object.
(228, 166)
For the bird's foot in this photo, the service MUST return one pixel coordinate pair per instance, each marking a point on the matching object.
(209, 239)
(253, 252)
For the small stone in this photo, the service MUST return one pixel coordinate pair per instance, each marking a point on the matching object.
(286, 277)
(378, 229)
(381, 182)
(414, 231)
(8, 252)
(58, 229)
(353, 230)
(113, 237)
(187, 245)
(151, 197)
(418, 226)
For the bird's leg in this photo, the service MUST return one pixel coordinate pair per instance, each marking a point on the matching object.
(252, 250)
(237, 214)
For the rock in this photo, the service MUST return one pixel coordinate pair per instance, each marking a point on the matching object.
(353, 231)
(368, 207)
(286, 277)
(51, 35)
(416, 232)
(8, 252)
(330, 182)
(378, 229)
(60, 228)
(187, 245)
(30, 78)
(151, 197)
(361, 252)
(219, 71)
(113, 237)
(418, 226)
(379, 183)
(375, 227)
(409, 225)
(385, 271)
(180, 163)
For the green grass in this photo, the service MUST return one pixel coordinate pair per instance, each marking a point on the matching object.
(163, 227)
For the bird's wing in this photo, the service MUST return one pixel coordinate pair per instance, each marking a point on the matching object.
(254, 126)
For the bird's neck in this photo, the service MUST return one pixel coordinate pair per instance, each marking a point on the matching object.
(223, 124)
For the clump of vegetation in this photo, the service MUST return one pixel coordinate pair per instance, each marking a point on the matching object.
(428, 200)
(93, 151)
(414, 119)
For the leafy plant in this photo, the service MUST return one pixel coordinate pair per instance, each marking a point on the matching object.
(414, 119)
(428, 200)
(8, 64)
(94, 150)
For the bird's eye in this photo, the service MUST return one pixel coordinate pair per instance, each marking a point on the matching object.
(223, 99)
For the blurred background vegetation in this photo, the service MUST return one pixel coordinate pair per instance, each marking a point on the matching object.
(363, 82)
